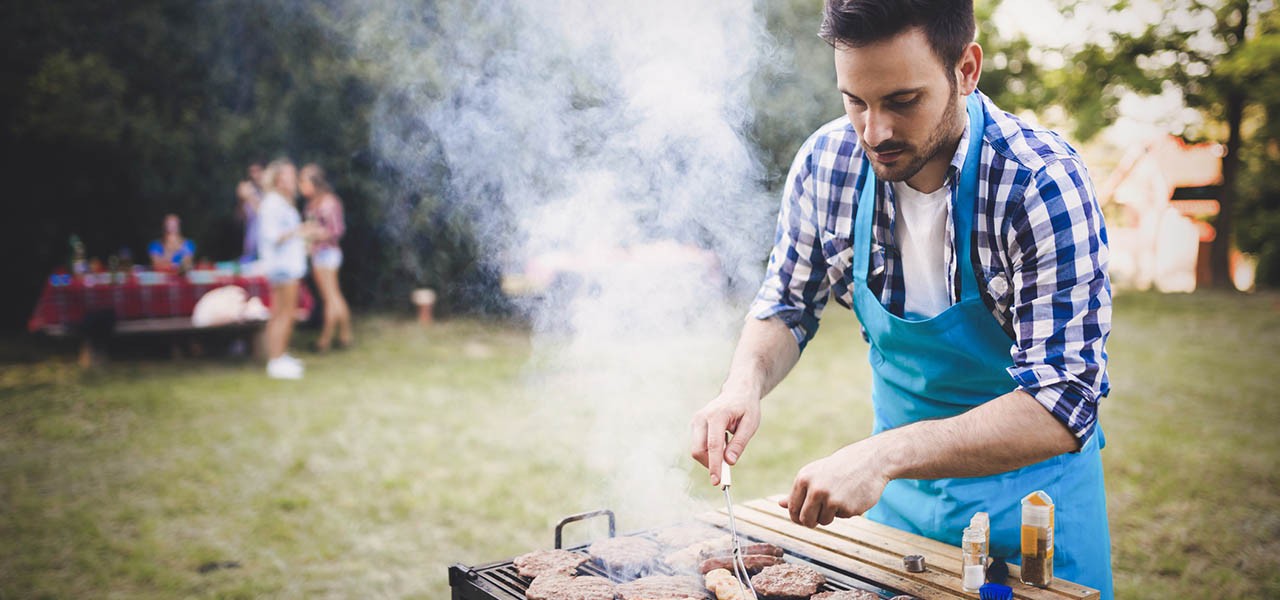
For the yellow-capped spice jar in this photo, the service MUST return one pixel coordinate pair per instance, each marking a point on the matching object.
(1037, 539)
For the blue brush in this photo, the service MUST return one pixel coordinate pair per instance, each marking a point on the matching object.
(995, 591)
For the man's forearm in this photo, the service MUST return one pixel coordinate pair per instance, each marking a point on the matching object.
(766, 352)
(1008, 433)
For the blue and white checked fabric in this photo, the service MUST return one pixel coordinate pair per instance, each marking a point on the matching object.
(1040, 254)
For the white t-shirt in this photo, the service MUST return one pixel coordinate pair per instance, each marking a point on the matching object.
(921, 232)
(280, 261)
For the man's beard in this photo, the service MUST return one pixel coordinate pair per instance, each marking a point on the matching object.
(940, 138)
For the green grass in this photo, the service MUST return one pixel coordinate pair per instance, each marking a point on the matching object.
(467, 441)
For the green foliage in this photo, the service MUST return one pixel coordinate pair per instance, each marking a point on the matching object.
(1256, 66)
(794, 92)
(1011, 73)
(71, 98)
(1197, 48)
(1171, 51)
(115, 114)
(112, 115)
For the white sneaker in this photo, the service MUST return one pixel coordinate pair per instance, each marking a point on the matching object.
(291, 359)
(279, 368)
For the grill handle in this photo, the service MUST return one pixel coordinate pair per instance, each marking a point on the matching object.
(583, 516)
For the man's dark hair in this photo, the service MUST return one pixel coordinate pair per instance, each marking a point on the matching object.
(947, 24)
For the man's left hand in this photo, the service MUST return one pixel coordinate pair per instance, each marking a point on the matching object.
(845, 484)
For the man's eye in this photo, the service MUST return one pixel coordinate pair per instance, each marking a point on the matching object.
(855, 102)
(905, 103)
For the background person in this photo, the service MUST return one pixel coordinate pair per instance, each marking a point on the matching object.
(324, 215)
(282, 256)
(972, 249)
(248, 197)
(172, 252)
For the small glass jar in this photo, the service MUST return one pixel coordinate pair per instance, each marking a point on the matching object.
(973, 559)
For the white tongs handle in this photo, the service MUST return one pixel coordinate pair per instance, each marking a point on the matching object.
(726, 477)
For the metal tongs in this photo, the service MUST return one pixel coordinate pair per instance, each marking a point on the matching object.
(739, 567)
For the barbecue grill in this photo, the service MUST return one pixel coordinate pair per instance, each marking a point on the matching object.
(500, 581)
(852, 554)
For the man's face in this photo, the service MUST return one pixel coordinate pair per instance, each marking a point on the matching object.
(902, 102)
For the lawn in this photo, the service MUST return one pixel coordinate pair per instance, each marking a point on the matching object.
(467, 441)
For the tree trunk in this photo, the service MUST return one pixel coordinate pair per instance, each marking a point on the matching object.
(1224, 223)
(1220, 253)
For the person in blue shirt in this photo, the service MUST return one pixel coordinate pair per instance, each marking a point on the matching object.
(172, 252)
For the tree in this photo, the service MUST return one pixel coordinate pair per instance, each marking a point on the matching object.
(112, 115)
(1214, 53)
(1259, 208)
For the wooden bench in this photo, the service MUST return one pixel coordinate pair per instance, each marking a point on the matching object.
(183, 333)
(875, 552)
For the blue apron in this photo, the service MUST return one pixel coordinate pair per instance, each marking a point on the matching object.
(942, 366)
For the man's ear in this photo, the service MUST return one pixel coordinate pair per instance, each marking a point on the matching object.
(969, 68)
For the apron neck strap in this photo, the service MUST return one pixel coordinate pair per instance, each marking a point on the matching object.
(964, 200)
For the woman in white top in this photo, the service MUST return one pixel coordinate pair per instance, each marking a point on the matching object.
(282, 255)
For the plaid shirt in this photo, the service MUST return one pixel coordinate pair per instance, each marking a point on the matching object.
(1040, 254)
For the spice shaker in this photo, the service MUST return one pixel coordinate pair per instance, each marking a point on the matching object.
(973, 559)
(1037, 539)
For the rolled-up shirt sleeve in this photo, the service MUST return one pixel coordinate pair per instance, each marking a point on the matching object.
(795, 286)
(1061, 305)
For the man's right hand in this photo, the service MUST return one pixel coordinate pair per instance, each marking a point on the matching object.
(732, 411)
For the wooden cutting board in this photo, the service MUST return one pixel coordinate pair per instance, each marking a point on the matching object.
(874, 551)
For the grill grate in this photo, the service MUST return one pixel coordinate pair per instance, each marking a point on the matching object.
(501, 581)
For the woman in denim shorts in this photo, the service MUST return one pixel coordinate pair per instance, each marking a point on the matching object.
(282, 256)
(324, 213)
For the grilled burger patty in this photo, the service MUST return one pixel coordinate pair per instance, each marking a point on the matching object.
(663, 587)
(560, 586)
(540, 562)
(788, 581)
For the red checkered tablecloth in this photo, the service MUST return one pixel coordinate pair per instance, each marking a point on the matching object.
(67, 305)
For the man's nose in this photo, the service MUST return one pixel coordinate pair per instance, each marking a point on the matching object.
(878, 128)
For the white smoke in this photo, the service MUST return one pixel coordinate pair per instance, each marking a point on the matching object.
(609, 134)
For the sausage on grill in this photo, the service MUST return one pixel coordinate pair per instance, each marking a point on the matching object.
(753, 562)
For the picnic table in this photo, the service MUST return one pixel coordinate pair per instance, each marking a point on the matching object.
(151, 304)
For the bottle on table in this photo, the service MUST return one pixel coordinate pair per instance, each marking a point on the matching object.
(1037, 539)
(973, 559)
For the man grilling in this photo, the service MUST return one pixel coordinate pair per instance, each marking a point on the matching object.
(972, 249)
